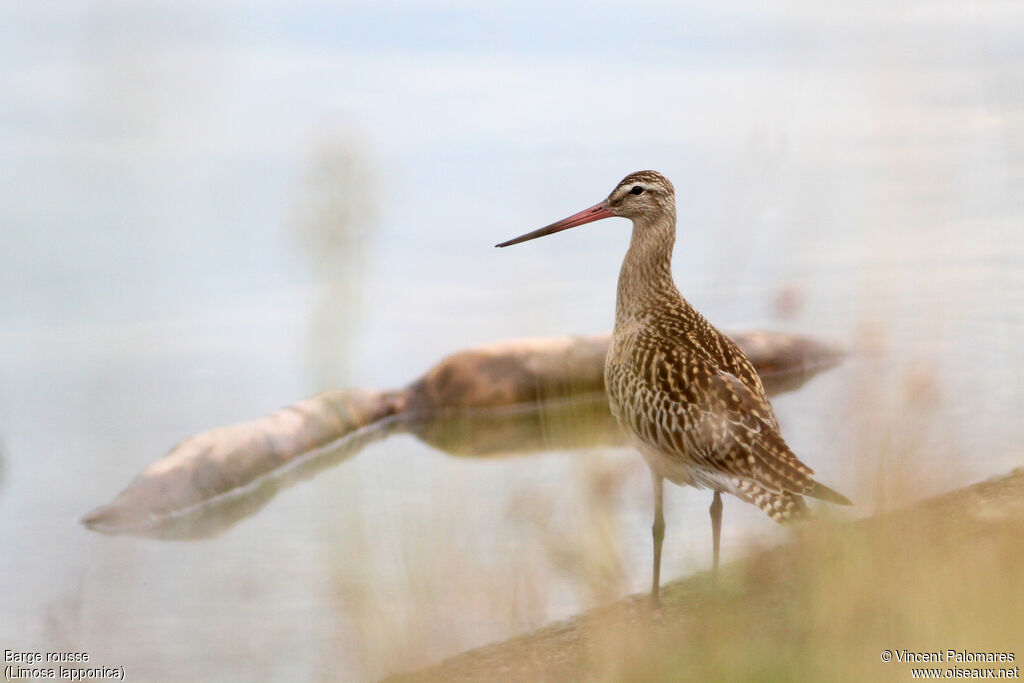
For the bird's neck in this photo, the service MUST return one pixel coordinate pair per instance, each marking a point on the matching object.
(645, 280)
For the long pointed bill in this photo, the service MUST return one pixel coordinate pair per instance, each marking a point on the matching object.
(594, 213)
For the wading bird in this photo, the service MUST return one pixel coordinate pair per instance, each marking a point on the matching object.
(689, 399)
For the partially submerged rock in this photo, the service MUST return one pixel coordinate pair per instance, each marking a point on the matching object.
(517, 396)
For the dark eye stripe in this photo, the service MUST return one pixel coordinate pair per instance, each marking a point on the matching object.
(636, 190)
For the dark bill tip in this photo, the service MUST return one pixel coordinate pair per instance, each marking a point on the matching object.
(594, 213)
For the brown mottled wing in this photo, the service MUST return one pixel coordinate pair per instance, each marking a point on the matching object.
(738, 435)
(678, 401)
(734, 362)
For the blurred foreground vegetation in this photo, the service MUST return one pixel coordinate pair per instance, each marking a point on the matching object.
(942, 574)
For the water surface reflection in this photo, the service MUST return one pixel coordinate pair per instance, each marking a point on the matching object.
(517, 397)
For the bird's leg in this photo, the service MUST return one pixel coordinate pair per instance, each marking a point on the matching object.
(716, 531)
(658, 531)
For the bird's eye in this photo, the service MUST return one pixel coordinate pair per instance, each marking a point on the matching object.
(636, 190)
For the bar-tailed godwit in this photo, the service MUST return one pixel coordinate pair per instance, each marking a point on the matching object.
(689, 399)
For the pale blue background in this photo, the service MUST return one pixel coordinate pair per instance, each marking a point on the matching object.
(158, 278)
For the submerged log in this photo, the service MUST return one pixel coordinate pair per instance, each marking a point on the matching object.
(517, 396)
(211, 480)
(550, 368)
(575, 422)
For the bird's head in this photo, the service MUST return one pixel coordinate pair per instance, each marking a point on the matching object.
(644, 194)
(640, 196)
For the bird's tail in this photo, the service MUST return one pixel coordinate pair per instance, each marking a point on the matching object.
(822, 492)
(783, 507)
(786, 506)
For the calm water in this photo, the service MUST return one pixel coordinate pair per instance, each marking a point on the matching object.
(210, 212)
